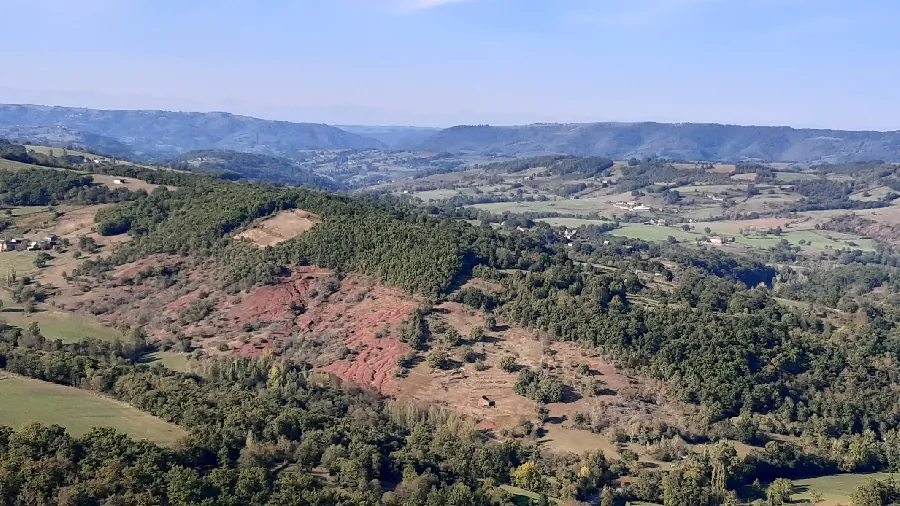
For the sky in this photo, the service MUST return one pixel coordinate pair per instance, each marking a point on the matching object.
(803, 63)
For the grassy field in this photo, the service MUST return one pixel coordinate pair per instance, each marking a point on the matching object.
(170, 360)
(45, 150)
(570, 222)
(695, 190)
(835, 489)
(22, 262)
(14, 166)
(789, 177)
(814, 240)
(653, 233)
(26, 210)
(524, 497)
(27, 401)
(55, 324)
(574, 206)
(432, 195)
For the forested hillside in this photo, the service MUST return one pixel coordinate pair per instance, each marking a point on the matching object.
(234, 165)
(806, 392)
(686, 141)
(162, 134)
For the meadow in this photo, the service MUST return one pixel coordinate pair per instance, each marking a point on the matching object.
(653, 232)
(27, 401)
(790, 177)
(170, 360)
(573, 206)
(836, 489)
(55, 324)
(19, 262)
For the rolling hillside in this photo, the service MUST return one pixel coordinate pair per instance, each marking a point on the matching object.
(161, 134)
(679, 141)
(251, 166)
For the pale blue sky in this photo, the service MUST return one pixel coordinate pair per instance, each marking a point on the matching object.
(806, 63)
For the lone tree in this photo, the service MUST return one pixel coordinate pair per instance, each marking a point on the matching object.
(490, 321)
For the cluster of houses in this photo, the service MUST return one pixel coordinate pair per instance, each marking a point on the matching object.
(721, 239)
(45, 243)
(632, 206)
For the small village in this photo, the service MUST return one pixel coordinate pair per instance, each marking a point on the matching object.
(21, 244)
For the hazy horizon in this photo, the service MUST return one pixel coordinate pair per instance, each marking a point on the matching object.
(433, 127)
(437, 63)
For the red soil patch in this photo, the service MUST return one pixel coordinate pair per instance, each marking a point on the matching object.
(376, 359)
(274, 302)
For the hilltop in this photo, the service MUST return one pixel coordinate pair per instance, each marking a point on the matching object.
(162, 134)
(683, 141)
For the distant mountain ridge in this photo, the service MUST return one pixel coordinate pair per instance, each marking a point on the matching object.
(163, 134)
(393, 136)
(689, 141)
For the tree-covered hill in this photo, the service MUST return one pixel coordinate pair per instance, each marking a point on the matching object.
(160, 134)
(250, 166)
(691, 141)
(67, 138)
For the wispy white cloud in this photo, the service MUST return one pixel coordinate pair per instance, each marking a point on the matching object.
(420, 5)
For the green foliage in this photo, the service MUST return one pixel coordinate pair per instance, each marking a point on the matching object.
(414, 331)
(42, 187)
(438, 359)
(248, 419)
(830, 284)
(508, 364)
(780, 491)
(41, 259)
(878, 493)
(539, 386)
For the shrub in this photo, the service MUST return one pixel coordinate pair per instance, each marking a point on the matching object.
(539, 386)
(508, 364)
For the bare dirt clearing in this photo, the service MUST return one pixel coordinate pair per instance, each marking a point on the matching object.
(461, 388)
(281, 227)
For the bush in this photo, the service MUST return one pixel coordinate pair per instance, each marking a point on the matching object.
(438, 359)
(539, 386)
(508, 364)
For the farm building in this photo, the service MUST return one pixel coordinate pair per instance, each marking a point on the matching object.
(11, 244)
(725, 239)
(118, 181)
